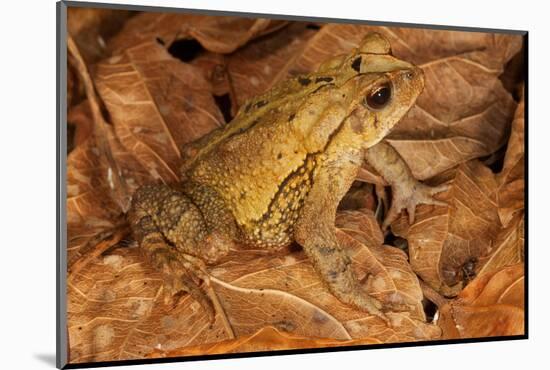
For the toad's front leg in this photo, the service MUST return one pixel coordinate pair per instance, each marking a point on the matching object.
(315, 232)
(408, 192)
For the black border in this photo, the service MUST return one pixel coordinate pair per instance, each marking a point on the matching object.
(61, 196)
(61, 110)
(526, 180)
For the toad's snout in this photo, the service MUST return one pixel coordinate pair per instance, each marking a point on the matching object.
(414, 76)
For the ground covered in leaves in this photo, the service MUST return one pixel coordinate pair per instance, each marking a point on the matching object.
(142, 85)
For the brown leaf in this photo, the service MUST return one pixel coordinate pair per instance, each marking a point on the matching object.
(75, 90)
(81, 117)
(361, 195)
(156, 104)
(118, 188)
(91, 28)
(491, 305)
(91, 208)
(511, 178)
(214, 71)
(221, 34)
(507, 249)
(95, 247)
(257, 289)
(106, 302)
(100, 174)
(444, 239)
(265, 339)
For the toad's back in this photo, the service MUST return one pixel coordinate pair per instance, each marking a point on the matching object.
(261, 165)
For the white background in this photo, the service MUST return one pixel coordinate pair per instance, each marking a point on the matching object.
(27, 182)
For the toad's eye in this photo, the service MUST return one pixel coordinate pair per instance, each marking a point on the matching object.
(379, 97)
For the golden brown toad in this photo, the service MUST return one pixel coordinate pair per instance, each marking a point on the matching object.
(276, 173)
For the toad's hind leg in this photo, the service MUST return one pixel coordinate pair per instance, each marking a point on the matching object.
(175, 238)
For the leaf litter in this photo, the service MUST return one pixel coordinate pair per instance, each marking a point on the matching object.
(135, 107)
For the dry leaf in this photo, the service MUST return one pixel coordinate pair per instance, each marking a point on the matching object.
(491, 305)
(118, 189)
(221, 34)
(89, 210)
(81, 117)
(156, 104)
(91, 28)
(265, 339)
(119, 294)
(511, 178)
(214, 71)
(360, 196)
(507, 249)
(446, 239)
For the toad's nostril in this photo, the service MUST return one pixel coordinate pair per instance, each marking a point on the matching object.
(409, 75)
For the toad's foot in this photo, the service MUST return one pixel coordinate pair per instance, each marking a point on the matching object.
(408, 192)
(365, 302)
(408, 195)
(181, 274)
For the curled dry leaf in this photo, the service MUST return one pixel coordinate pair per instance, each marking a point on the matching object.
(118, 189)
(507, 249)
(80, 116)
(265, 339)
(491, 305)
(221, 34)
(463, 113)
(511, 179)
(156, 104)
(91, 209)
(214, 71)
(445, 240)
(361, 195)
(119, 294)
(100, 173)
(75, 91)
(91, 28)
